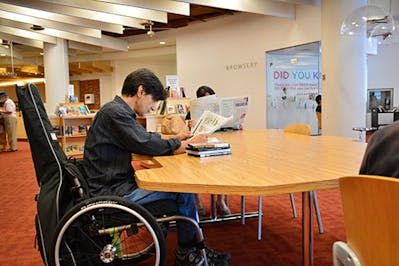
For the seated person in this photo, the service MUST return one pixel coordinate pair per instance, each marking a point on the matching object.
(115, 134)
(382, 156)
(221, 206)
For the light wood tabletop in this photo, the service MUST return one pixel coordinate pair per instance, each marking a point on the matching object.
(263, 162)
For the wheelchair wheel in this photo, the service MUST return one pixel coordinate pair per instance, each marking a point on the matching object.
(108, 231)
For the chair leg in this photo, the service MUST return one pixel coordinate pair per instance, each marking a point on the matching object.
(226, 199)
(318, 215)
(213, 207)
(242, 209)
(260, 217)
(294, 213)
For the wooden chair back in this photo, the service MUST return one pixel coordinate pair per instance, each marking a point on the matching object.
(302, 129)
(371, 212)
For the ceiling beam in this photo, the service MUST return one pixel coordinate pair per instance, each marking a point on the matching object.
(116, 9)
(160, 5)
(104, 41)
(84, 47)
(50, 24)
(111, 27)
(264, 7)
(21, 40)
(28, 34)
(77, 12)
(302, 2)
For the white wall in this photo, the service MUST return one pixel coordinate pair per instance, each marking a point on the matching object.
(204, 51)
(161, 65)
(383, 72)
(111, 84)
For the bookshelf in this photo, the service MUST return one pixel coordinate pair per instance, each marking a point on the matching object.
(74, 129)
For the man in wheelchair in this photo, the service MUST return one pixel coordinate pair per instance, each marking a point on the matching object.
(115, 134)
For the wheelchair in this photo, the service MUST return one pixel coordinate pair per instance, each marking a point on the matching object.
(74, 228)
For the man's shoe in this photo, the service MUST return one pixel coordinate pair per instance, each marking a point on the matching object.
(189, 257)
(193, 257)
(217, 258)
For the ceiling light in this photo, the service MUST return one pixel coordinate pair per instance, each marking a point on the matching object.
(41, 53)
(162, 43)
(2, 54)
(370, 21)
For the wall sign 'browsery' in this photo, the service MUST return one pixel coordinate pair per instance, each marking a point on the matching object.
(243, 66)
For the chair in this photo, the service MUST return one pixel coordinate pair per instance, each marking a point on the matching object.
(371, 214)
(74, 228)
(304, 129)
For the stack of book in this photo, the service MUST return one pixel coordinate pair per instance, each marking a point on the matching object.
(208, 149)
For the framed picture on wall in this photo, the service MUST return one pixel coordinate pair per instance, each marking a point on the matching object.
(380, 98)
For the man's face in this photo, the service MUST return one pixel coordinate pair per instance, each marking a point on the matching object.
(145, 102)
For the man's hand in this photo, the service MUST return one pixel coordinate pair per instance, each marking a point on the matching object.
(200, 138)
(184, 135)
(196, 139)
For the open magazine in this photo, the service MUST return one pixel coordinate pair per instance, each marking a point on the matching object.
(226, 107)
(209, 122)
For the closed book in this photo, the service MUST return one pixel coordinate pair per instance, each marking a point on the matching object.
(207, 145)
(206, 148)
(211, 154)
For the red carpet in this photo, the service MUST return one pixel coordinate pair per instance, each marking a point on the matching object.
(281, 243)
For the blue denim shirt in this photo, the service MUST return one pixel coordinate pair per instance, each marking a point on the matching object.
(112, 138)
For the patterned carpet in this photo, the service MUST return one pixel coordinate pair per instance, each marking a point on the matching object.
(281, 243)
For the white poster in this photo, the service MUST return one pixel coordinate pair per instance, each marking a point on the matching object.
(172, 81)
(292, 89)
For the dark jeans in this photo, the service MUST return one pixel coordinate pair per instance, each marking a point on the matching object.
(185, 205)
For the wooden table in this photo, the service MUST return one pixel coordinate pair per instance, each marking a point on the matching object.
(263, 162)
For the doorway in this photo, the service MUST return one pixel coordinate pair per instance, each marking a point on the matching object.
(293, 82)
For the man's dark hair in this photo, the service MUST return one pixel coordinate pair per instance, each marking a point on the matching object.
(318, 99)
(203, 90)
(151, 84)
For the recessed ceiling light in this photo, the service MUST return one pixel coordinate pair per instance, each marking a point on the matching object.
(2, 54)
(162, 43)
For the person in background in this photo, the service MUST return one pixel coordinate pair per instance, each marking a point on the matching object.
(318, 111)
(381, 156)
(10, 120)
(112, 138)
(221, 206)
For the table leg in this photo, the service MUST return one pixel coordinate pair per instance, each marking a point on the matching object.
(307, 232)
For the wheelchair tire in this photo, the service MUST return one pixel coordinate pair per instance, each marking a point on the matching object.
(108, 231)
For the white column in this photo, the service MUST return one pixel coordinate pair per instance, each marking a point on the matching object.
(56, 73)
(344, 68)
